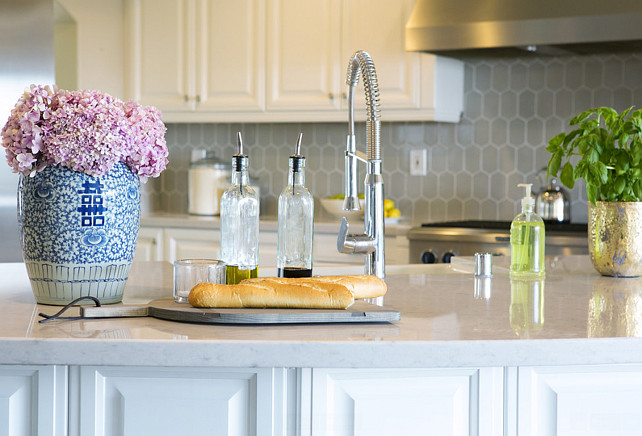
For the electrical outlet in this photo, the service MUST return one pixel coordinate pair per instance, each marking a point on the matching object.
(418, 162)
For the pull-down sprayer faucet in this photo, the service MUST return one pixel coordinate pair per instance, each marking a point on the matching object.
(371, 242)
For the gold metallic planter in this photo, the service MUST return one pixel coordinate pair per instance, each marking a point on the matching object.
(615, 238)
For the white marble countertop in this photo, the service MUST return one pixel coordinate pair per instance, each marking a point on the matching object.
(449, 318)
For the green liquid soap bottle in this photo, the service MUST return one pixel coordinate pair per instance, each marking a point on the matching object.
(527, 240)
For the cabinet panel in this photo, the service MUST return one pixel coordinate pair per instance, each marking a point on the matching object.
(171, 401)
(379, 28)
(303, 55)
(149, 246)
(325, 251)
(191, 244)
(407, 402)
(158, 55)
(592, 400)
(230, 55)
(33, 400)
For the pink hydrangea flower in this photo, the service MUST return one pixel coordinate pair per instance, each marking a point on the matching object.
(85, 131)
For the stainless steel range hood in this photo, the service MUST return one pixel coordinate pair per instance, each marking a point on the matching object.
(520, 27)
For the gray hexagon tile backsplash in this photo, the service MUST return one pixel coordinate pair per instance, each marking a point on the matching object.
(512, 108)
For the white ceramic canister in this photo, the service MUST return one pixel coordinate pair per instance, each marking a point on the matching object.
(208, 178)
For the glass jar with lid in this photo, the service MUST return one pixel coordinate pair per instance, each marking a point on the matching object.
(208, 178)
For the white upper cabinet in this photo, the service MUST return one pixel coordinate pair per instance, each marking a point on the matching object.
(196, 60)
(304, 54)
(280, 61)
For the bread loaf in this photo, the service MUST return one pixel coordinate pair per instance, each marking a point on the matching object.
(361, 286)
(329, 292)
(272, 294)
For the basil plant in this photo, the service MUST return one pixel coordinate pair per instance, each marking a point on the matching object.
(605, 149)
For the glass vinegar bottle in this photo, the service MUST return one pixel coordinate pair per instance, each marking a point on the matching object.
(240, 223)
(527, 237)
(295, 221)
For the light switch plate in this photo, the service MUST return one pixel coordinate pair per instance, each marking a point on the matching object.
(418, 162)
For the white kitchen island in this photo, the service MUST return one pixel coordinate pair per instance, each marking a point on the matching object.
(469, 356)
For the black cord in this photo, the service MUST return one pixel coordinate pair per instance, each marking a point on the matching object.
(64, 309)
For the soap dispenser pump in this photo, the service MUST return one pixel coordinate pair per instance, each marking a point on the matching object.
(295, 221)
(527, 236)
(240, 222)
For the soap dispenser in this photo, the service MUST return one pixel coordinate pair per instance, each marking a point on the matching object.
(527, 240)
(295, 221)
(240, 222)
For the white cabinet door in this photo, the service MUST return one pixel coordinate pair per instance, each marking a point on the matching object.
(407, 401)
(582, 401)
(230, 56)
(176, 401)
(378, 27)
(149, 246)
(33, 400)
(191, 56)
(160, 53)
(304, 56)
(191, 244)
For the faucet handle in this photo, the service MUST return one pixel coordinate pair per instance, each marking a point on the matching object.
(353, 243)
(342, 239)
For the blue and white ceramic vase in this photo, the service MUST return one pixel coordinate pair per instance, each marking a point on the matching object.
(78, 232)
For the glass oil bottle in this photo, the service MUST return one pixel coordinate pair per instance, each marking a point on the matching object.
(240, 222)
(295, 221)
(527, 236)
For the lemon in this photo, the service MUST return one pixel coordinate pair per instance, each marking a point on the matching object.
(394, 213)
(388, 204)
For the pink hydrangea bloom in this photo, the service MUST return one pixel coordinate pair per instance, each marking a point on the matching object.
(148, 156)
(86, 131)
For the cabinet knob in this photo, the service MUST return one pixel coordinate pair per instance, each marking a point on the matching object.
(331, 96)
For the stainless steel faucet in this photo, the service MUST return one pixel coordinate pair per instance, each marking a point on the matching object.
(371, 242)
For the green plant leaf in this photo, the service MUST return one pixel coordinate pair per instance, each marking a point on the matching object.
(554, 164)
(570, 137)
(581, 117)
(638, 190)
(602, 171)
(581, 170)
(620, 184)
(625, 112)
(567, 176)
(555, 143)
(592, 155)
(589, 125)
(623, 140)
(611, 117)
(635, 152)
(621, 163)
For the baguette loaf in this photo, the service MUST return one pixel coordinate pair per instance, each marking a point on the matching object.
(272, 294)
(361, 286)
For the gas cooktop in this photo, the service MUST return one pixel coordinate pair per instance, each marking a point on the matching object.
(505, 225)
